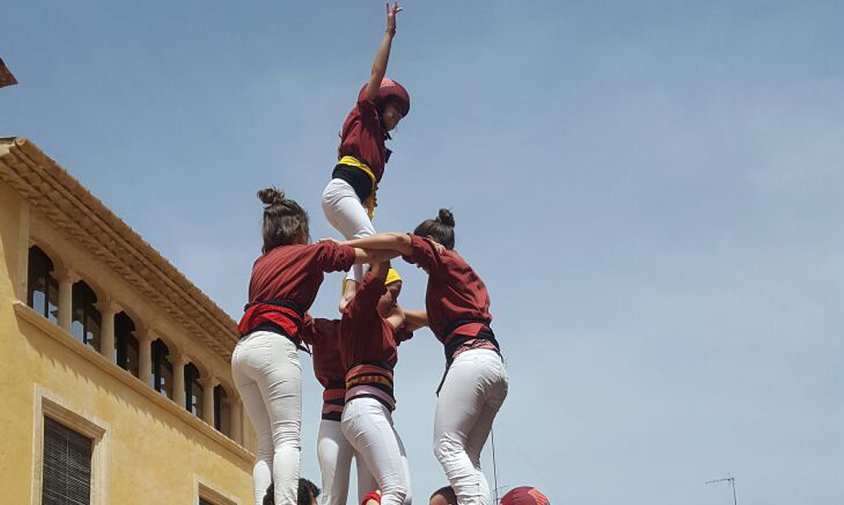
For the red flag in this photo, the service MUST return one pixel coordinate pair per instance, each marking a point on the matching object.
(6, 77)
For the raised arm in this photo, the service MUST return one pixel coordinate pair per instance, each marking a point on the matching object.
(379, 270)
(382, 57)
(397, 242)
(364, 303)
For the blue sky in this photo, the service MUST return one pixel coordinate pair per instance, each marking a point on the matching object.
(652, 191)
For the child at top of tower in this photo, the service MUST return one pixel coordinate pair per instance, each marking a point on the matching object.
(348, 200)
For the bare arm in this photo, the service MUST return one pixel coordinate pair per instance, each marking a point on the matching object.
(382, 57)
(379, 270)
(396, 319)
(415, 319)
(373, 256)
(396, 242)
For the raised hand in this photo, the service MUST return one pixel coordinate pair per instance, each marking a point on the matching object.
(391, 16)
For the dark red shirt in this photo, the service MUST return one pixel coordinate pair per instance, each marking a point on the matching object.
(292, 273)
(455, 292)
(366, 337)
(324, 337)
(363, 136)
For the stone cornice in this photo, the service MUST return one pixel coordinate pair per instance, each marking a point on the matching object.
(69, 206)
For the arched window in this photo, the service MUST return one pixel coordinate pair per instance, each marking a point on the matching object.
(86, 318)
(193, 390)
(126, 349)
(162, 369)
(42, 289)
(222, 414)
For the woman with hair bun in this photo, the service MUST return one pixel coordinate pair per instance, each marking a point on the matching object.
(348, 200)
(474, 385)
(265, 362)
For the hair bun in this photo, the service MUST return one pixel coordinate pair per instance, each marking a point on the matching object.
(446, 217)
(271, 196)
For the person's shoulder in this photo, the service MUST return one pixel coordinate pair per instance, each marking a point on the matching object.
(419, 242)
(363, 98)
(454, 257)
(278, 252)
(365, 107)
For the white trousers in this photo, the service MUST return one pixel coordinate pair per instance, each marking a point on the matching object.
(368, 426)
(473, 391)
(345, 212)
(268, 376)
(335, 454)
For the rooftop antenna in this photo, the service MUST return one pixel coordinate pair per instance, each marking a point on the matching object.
(731, 480)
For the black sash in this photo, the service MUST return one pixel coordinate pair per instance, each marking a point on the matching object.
(279, 302)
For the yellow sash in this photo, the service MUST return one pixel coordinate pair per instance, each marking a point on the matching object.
(370, 202)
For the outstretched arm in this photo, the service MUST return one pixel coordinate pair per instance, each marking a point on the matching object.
(415, 319)
(373, 256)
(396, 319)
(382, 57)
(398, 242)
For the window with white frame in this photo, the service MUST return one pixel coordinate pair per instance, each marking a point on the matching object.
(66, 474)
(210, 496)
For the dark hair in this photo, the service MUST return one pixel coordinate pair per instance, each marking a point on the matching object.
(285, 222)
(446, 492)
(307, 491)
(269, 497)
(441, 229)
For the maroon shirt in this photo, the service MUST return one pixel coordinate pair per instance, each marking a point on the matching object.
(364, 335)
(324, 337)
(363, 136)
(455, 292)
(293, 273)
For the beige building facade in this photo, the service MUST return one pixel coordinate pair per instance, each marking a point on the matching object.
(114, 368)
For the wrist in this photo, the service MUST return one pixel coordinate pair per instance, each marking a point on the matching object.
(390, 31)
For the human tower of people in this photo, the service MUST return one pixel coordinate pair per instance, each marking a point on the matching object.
(355, 356)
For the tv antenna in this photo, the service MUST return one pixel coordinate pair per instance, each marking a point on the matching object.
(731, 480)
